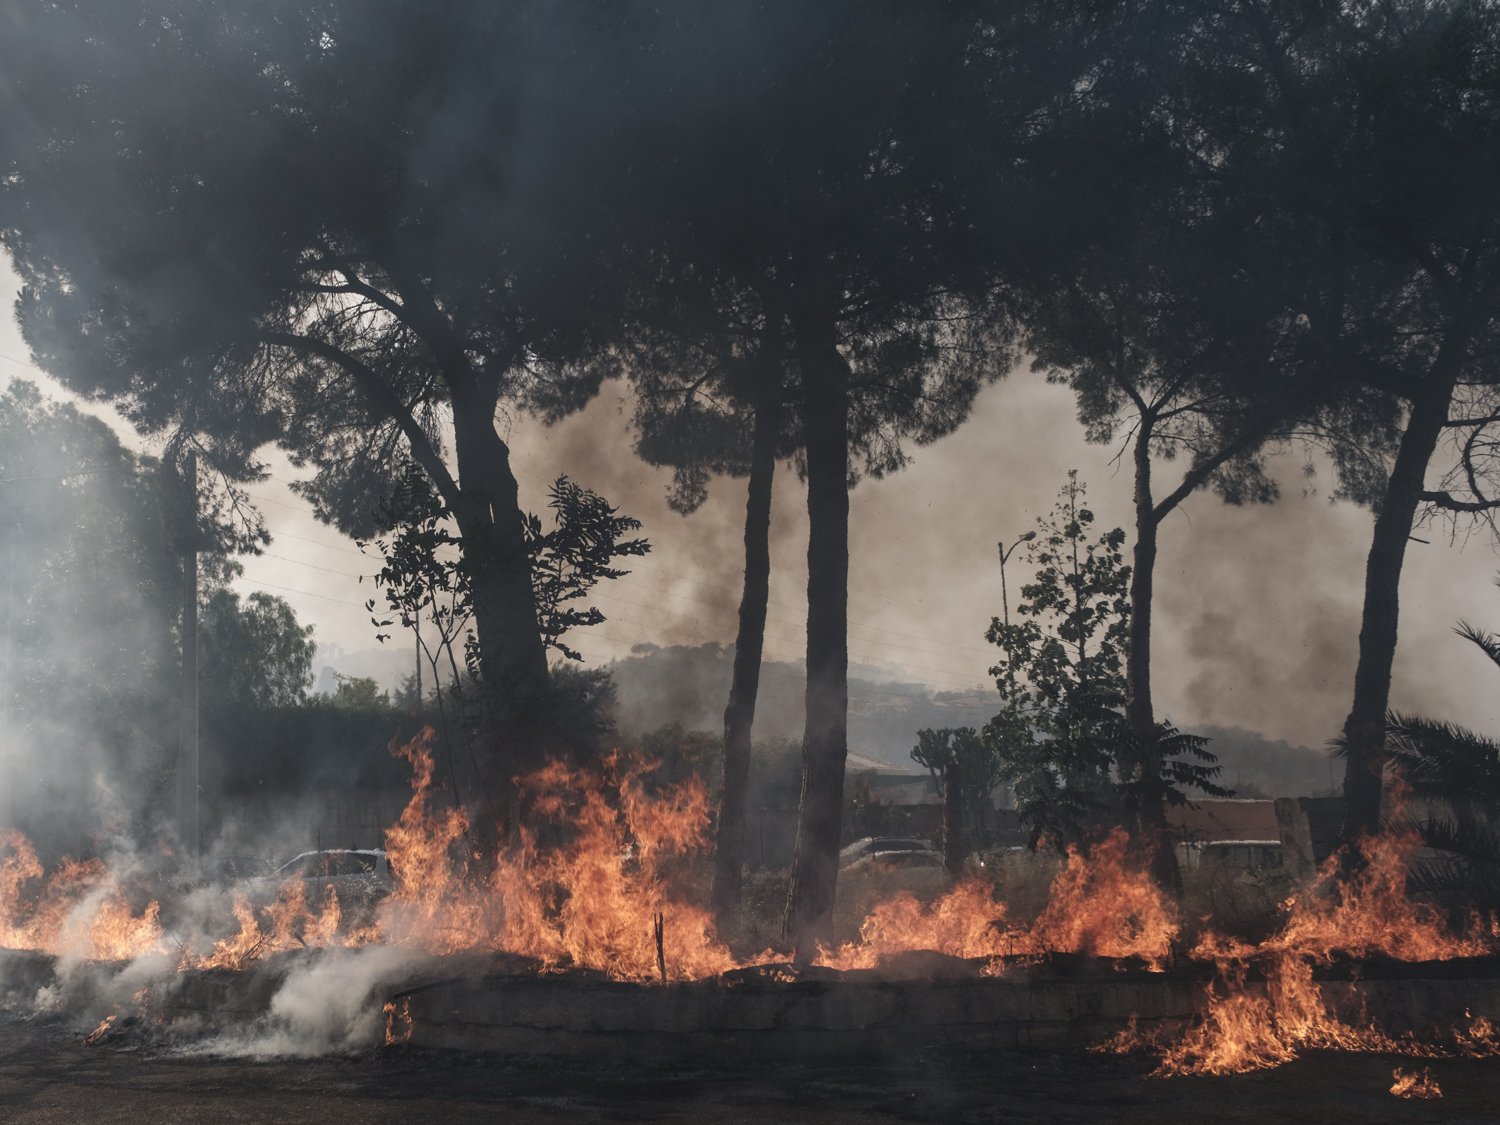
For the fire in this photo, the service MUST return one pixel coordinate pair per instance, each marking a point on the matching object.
(966, 922)
(1414, 1084)
(1106, 904)
(1371, 915)
(94, 1037)
(591, 897)
(79, 911)
(398, 1021)
(290, 923)
(1250, 1025)
(436, 904)
(1102, 903)
(596, 878)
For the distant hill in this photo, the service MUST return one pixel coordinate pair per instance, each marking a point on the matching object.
(690, 685)
(1255, 766)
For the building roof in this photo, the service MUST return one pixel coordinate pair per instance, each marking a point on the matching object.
(859, 763)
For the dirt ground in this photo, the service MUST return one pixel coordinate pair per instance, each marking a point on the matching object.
(48, 1076)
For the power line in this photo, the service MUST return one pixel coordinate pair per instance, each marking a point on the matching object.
(320, 543)
(311, 566)
(294, 590)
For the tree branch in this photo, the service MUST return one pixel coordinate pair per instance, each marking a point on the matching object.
(380, 393)
(1447, 501)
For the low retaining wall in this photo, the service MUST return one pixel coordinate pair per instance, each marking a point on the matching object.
(503, 1005)
(1063, 1004)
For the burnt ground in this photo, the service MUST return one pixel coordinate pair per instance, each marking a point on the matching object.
(47, 1076)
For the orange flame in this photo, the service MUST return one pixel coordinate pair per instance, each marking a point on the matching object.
(1106, 904)
(1371, 915)
(80, 910)
(398, 1022)
(591, 898)
(1415, 1084)
(1103, 903)
(966, 922)
(603, 857)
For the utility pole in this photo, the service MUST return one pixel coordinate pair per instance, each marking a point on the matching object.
(187, 753)
(7, 701)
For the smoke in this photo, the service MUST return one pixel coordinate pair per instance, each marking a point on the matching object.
(1257, 614)
(330, 1001)
(316, 1003)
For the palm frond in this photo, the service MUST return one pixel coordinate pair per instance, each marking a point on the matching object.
(1442, 759)
(1488, 643)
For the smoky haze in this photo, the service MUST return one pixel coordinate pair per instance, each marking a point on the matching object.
(1257, 610)
(1258, 605)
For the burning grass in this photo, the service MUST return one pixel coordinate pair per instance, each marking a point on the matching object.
(597, 880)
(1102, 903)
(1265, 1007)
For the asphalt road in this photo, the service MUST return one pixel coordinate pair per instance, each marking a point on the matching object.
(48, 1076)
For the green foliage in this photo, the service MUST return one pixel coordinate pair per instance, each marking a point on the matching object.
(253, 653)
(1458, 768)
(979, 768)
(583, 709)
(1444, 760)
(1061, 677)
(568, 561)
(359, 693)
(1061, 737)
(424, 578)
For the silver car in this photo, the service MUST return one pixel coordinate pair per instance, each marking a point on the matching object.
(873, 846)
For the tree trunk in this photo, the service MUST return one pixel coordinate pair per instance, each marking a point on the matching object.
(954, 846)
(1150, 802)
(739, 715)
(825, 373)
(1364, 730)
(514, 680)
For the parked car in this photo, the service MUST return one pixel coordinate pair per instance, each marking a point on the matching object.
(872, 846)
(360, 877)
(896, 861)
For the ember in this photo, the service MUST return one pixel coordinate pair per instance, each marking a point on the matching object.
(1415, 1084)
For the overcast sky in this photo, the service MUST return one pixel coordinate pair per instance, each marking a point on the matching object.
(1258, 608)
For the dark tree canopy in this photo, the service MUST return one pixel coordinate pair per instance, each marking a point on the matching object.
(268, 222)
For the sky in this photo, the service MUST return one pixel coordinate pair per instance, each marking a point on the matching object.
(1257, 612)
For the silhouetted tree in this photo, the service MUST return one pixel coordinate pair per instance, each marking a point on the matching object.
(1064, 740)
(1161, 308)
(709, 367)
(1368, 133)
(832, 183)
(271, 222)
(90, 588)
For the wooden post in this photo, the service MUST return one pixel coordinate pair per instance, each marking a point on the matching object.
(187, 753)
